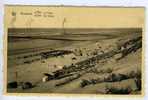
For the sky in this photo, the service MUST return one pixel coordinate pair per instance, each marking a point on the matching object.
(73, 17)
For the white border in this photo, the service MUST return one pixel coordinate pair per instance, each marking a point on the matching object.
(143, 3)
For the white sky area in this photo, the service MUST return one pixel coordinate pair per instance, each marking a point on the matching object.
(80, 17)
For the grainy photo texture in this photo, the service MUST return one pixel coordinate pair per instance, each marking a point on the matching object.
(74, 50)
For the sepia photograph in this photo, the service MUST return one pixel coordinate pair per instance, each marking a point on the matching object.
(74, 50)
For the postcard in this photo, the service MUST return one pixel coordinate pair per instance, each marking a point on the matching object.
(74, 50)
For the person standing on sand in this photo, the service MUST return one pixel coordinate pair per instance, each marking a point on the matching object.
(16, 74)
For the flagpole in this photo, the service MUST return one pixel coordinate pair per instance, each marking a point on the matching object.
(63, 25)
